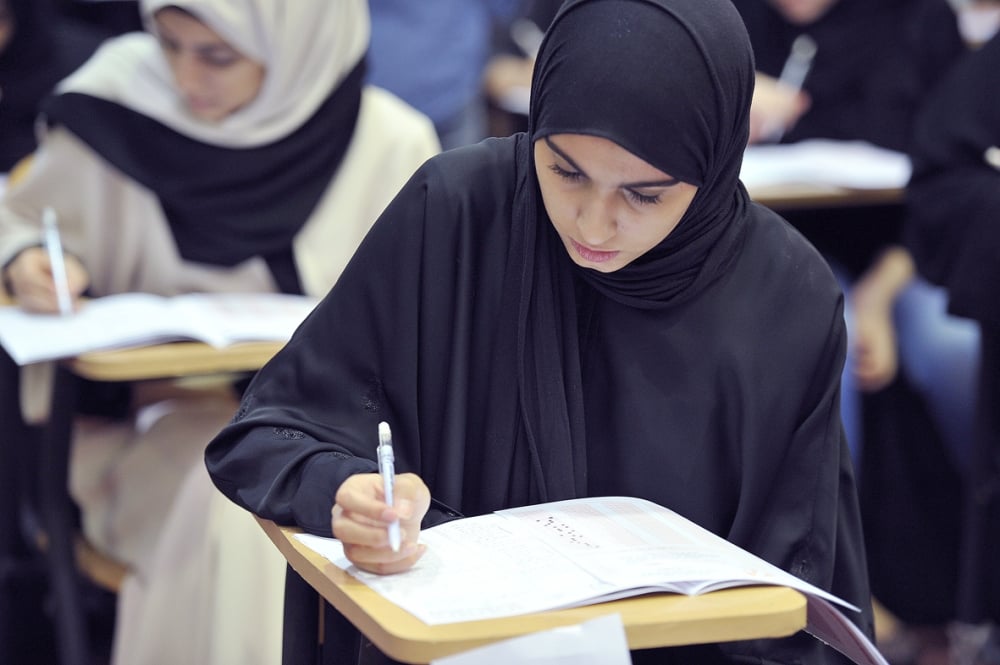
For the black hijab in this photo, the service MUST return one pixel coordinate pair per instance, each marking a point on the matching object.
(671, 82)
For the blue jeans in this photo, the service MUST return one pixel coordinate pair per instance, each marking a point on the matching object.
(938, 355)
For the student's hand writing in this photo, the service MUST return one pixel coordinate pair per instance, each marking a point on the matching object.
(360, 519)
(29, 277)
(775, 108)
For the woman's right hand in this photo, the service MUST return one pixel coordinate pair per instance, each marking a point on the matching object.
(29, 279)
(775, 108)
(360, 519)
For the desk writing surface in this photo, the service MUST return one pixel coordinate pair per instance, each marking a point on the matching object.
(650, 621)
(172, 359)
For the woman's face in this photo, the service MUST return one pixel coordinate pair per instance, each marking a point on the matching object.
(213, 78)
(802, 12)
(608, 206)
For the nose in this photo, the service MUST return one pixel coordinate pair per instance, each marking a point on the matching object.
(596, 219)
(187, 73)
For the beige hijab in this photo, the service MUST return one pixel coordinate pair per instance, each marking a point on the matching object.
(131, 70)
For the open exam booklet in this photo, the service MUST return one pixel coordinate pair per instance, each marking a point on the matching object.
(580, 552)
(137, 319)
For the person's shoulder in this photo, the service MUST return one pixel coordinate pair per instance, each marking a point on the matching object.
(393, 114)
(486, 168)
(471, 185)
(777, 248)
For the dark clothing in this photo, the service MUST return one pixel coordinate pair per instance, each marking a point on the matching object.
(875, 61)
(724, 408)
(703, 375)
(44, 50)
(953, 232)
(953, 229)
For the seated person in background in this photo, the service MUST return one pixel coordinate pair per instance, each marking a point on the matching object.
(432, 53)
(224, 150)
(875, 61)
(37, 50)
(590, 308)
(507, 77)
(953, 230)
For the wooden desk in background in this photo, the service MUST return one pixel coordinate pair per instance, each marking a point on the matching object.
(47, 510)
(789, 197)
(650, 621)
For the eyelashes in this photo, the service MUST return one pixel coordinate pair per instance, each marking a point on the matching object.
(642, 199)
(564, 174)
(576, 176)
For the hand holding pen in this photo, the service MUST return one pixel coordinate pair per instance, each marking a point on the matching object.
(387, 470)
(779, 103)
(44, 278)
(57, 261)
(368, 505)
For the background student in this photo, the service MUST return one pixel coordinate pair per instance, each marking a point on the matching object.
(593, 307)
(224, 150)
(875, 61)
(954, 233)
(433, 54)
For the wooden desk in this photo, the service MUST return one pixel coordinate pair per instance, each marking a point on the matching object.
(650, 621)
(176, 359)
(804, 197)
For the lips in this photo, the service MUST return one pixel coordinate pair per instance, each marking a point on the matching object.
(593, 255)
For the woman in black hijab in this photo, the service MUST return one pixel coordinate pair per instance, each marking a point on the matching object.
(593, 307)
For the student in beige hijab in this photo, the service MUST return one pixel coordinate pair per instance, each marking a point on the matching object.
(232, 147)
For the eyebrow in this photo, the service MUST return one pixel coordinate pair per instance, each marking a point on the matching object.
(668, 182)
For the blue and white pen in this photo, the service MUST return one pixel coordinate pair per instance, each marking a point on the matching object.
(387, 469)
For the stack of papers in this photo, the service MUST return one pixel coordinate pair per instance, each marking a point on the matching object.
(846, 164)
(139, 319)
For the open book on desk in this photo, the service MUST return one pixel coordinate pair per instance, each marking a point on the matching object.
(139, 319)
(581, 552)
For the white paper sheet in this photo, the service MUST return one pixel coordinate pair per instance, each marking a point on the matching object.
(600, 641)
(847, 164)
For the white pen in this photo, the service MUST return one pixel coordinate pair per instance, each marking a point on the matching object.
(799, 62)
(795, 70)
(57, 260)
(387, 469)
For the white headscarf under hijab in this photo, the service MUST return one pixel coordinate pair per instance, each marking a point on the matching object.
(132, 71)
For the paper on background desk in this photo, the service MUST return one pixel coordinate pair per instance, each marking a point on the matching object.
(137, 319)
(577, 552)
(600, 641)
(847, 164)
